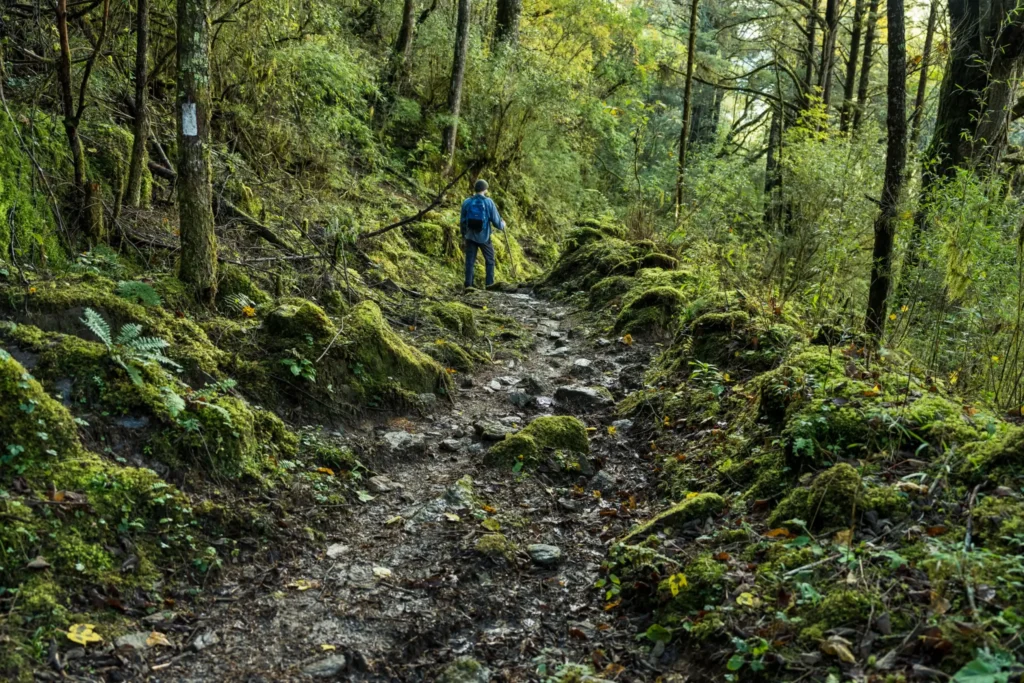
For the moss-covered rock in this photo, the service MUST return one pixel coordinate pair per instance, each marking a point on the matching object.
(653, 312)
(298, 319)
(451, 355)
(999, 460)
(561, 432)
(496, 546)
(697, 507)
(453, 316)
(829, 502)
(233, 281)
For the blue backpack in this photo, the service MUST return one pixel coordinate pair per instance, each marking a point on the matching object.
(478, 212)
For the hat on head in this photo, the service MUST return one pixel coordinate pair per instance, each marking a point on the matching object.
(480, 186)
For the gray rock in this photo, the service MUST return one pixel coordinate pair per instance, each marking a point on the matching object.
(603, 482)
(558, 352)
(135, 640)
(544, 555)
(404, 443)
(451, 445)
(467, 382)
(460, 495)
(465, 670)
(381, 484)
(426, 400)
(127, 422)
(507, 381)
(568, 504)
(495, 385)
(336, 550)
(492, 430)
(531, 384)
(582, 367)
(328, 667)
(155, 618)
(521, 399)
(577, 397)
(205, 640)
(622, 426)
(601, 342)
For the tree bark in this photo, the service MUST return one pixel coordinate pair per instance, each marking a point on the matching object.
(865, 67)
(455, 87)
(506, 26)
(828, 50)
(851, 65)
(141, 127)
(198, 268)
(895, 162)
(67, 98)
(772, 171)
(398, 65)
(684, 135)
(922, 83)
(705, 113)
(811, 50)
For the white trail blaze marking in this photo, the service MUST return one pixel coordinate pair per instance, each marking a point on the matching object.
(189, 122)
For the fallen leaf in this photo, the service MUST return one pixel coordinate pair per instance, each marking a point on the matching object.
(627, 339)
(325, 470)
(488, 509)
(382, 572)
(838, 647)
(936, 530)
(611, 430)
(911, 487)
(301, 584)
(874, 391)
(38, 563)
(676, 583)
(691, 494)
(491, 524)
(327, 647)
(748, 600)
(394, 520)
(779, 533)
(452, 517)
(844, 537)
(83, 634)
(612, 605)
(723, 557)
(156, 638)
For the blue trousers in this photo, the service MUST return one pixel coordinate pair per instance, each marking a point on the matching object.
(488, 250)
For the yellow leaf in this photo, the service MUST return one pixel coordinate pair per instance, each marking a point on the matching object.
(844, 537)
(452, 517)
(394, 520)
(382, 572)
(691, 494)
(83, 634)
(491, 524)
(301, 584)
(325, 470)
(248, 311)
(666, 422)
(156, 638)
(904, 308)
(489, 509)
(839, 647)
(327, 647)
(892, 316)
(611, 430)
(726, 377)
(676, 583)
(953, 377)
(873, 391)
(627, 339)
(748, 600)
(596, 493)
(995, 359)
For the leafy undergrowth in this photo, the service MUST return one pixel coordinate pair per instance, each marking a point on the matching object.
(829, 511)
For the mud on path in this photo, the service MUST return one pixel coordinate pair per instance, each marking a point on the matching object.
(397, 591)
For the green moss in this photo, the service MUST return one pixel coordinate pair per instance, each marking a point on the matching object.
(844, 608)
(378, 357)
(698, 507)
(655, 311)
(450, 355)
(298, 319)
(233, 280)
(999, 460)
(558, 433)
(496, 545)
(886, 501)
(454, 316)
(425, 237)
(703, 585)
(829, 502)
(999, 522)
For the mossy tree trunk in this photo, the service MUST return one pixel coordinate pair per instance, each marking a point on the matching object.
(89, 196)
(895, 162)
(455, 87)
(198, 267)
(684, 134)
(922, 81)
(141, 127)
(773, 171)
(865, 67)
(828, 50)
(398, 65)
(851, 66)
(810, 50)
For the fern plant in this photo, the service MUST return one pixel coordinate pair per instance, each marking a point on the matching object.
(129, 348)
(139, 292)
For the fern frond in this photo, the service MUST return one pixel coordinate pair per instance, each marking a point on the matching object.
(98, 326)
(138, 292)
(238, 302)
(133, 372)
(224, 414)
(147, 344)
(129, 333)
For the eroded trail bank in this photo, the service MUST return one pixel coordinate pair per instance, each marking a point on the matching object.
(459, 557)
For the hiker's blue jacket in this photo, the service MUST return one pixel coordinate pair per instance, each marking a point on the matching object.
(479, 213)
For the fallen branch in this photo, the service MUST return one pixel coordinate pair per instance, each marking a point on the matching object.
(412, 219)
(250, 222)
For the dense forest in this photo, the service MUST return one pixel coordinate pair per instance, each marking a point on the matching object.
(743, 403)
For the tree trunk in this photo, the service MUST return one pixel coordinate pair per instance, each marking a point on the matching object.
(455, 88)
(851, 65)
(706, 110)
(828, 50)
(506, 26)
(67, 98)
(141, 127)
(198, 268)
(895, 161)
(684, 135)
(812, 47)
(772, 171)
(398, 65)
(922, 83)
(865, 67)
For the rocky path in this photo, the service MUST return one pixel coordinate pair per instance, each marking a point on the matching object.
(399, 589)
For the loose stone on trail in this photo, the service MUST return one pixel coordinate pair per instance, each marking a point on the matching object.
(544, 555)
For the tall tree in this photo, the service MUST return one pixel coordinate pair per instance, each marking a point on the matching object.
(455, 86)
(506, 25)
(198, 268)
(922, 82)
(828, 50)
(811, 49)
(398, 64)
(684, 135)
(976, 102)
(851, 65)
(133, 191)
(865, 68)
(895, 162)
(773, 171)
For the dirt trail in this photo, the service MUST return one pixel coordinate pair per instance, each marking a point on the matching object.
(398, 590)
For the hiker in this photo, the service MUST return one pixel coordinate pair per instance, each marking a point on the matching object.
(478, 215)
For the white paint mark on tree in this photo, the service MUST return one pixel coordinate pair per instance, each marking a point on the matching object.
(189, 121)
